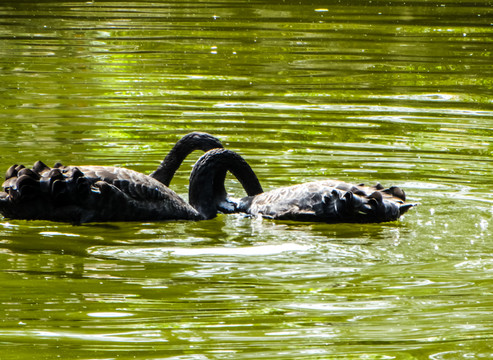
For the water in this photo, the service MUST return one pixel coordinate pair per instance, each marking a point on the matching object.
(397, 92)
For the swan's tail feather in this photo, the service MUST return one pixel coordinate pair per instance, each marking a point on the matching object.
(42, 192)
(11, 172)
(405, 207)
(343, 206)
(377, 196)
(329, 201)
(396, 192)
(40, 167)
(379, 186)
(351, 206)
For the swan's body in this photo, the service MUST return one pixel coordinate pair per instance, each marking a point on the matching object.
(328, 201)
(100, 193)
(74, 194)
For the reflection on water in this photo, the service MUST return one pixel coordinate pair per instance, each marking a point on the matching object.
(396, 92)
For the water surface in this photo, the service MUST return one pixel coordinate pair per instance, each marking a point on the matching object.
(396, 92)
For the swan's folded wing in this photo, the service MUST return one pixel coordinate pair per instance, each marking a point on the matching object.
(88, 193)
(304, 202)
(328, 201)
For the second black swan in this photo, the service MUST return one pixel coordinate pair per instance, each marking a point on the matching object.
(328, 201)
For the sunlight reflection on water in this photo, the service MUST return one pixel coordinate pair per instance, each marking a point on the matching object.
(162, 253)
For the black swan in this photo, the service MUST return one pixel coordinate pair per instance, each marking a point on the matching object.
(324, 201)
(329, 201)
(78, 193)
(66, 194)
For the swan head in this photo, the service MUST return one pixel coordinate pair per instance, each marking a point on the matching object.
(200, 141)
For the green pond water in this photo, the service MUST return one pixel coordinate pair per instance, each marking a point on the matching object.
(362, 91)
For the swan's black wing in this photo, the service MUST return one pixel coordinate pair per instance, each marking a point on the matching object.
(328, 201)
(88, 193)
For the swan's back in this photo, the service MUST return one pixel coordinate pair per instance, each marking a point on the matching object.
(88, 193)
(329, 201)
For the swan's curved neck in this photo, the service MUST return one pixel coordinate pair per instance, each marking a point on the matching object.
(187, 144)
(207, 190)
(167, 169)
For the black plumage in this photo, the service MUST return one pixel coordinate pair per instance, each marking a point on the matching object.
(328, 201)
(81, 194)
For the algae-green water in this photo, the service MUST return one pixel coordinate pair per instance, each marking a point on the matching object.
(396, 92)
